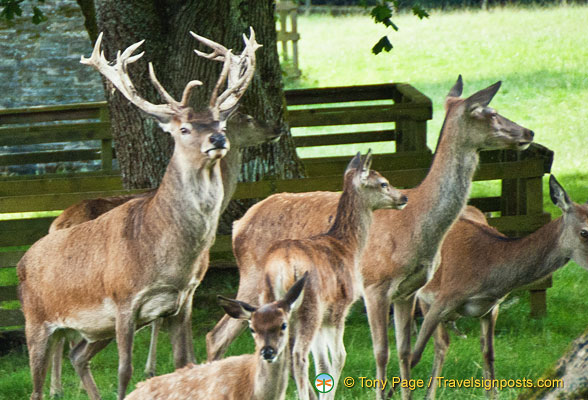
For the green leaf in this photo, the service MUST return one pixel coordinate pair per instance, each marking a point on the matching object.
(383, 44)
(419, 11)
(38, 16)
(11, 8)
(381, 12)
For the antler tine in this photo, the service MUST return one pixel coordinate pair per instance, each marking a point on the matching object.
(219, 51)
(117, 74)
(187, 90)
(237, 70)
(221, 80)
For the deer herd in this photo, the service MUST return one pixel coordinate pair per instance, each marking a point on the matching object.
(111, 266)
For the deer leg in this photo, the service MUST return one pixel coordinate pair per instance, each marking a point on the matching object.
(56, 389)
(125, 332)
(441, 339)
(151, 364)
(378, 306)
(39, 344)
(338, 356)
(227, 329)
(306, 330)
(403, 312)
(180, 330)
(320, 354)
(433, 318)
(80, 357)
(487, 324)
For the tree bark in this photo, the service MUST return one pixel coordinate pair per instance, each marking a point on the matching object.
(572, 370)
(142, 149)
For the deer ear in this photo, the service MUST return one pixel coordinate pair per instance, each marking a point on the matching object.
(483, 97)
(235, 308)
(365, 166)
(224, 115)
(354, 163)
(294, 292)
(558, 195)
(457, 88)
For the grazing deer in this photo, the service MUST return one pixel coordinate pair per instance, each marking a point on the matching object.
(334, 282)
(480, 266)
(259, 376)
(109, 276)
(402, 247)
(242, 131)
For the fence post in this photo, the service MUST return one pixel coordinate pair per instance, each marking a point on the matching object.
(106, 144)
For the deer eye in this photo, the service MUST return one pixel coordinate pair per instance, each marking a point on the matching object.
(184, 131)
(384, 185)
(584, 233)
(284, 326)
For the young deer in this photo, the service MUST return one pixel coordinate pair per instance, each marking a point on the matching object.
(402, 247)
(259, 376)
(109, 276)
(334, 283)
(480, 266)
(242, 131)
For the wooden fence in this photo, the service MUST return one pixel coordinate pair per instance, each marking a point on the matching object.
(348, 113)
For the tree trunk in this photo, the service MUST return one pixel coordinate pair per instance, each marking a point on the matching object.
(572, 370)
(142, 149)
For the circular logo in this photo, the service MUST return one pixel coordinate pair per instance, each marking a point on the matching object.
(324, 383)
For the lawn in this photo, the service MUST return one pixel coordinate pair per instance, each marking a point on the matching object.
(541, 55)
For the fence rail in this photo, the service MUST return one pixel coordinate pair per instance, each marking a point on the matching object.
(401, 110)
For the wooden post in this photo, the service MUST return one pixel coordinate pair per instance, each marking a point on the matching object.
(285, 10)
(106, 144)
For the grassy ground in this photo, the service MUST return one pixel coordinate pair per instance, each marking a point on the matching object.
(542, 58)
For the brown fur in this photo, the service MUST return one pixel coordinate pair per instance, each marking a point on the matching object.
(331, 260)
(106, 277)
(259, 376)
(242, 131)
(402, 246)
(480, 266)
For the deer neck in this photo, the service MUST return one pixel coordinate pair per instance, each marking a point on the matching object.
(532, 257)
(230, 168)
(271, 379)
(352, 221)
(186, 206)
(441, 197)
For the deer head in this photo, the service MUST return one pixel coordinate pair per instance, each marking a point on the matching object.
(268, 323)
(243, 131)
(371, 185)
(488, 129)
(195, 133)
(575, 223)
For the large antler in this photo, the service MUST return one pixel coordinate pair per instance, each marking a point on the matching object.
(118, 75)
(238, 69)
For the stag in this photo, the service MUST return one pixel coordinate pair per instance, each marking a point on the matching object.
(105, 278)
(242, 131)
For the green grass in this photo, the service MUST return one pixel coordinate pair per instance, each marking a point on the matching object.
(541, 57)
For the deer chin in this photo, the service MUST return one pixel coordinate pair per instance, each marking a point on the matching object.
(216, 153)
(523, 145)
(270, 360)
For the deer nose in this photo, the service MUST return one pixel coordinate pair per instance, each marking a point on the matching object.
(403, 199)
(531, 134)
(268, 353)
(218, 140)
